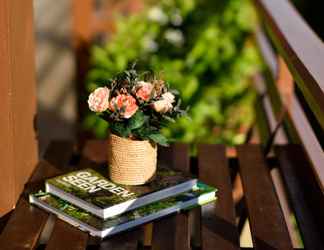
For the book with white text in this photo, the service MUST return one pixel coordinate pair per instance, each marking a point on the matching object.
(90, 190)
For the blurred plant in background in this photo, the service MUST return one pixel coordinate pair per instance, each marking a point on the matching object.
(203, 48)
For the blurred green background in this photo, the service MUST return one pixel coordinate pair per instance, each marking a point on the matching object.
(203, 48)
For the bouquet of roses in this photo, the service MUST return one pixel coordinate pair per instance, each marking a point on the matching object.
(137, 106)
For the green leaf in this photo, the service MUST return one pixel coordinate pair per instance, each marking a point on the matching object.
(143, 132)
(169, 119)
(136, 121)
(159, 139)
(120, 129)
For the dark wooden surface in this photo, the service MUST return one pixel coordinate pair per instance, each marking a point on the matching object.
(289, 158)
(218, 226)
(24, 227)
(218, 219)
(66, 237)
(164, 233)
(125, 241)
(3, 221)
(268, 227)
(26, 222)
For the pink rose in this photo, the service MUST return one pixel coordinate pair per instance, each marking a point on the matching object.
(162, 106)
(126, 102)
(99, 100)
(144, 90)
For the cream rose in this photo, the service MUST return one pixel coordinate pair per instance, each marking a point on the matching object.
(162, 106)
(144, 90)
(168, 96)
(165, 104)
(98, 100)
(126, 102)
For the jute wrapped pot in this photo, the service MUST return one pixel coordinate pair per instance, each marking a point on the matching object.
(131, 162)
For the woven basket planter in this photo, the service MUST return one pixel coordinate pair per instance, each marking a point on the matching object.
(131, 162)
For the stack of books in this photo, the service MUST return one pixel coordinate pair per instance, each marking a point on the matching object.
(93, 203)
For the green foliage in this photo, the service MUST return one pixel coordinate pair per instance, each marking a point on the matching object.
(137, 120)
(158, 138)
(204, 49)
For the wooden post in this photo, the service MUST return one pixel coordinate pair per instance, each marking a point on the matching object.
(82, 24)
(82, 21)
(18, 147)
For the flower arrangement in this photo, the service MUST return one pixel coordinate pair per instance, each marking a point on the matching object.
(137, 106)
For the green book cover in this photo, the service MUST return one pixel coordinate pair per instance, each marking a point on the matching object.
(92, 191)
(200, 194)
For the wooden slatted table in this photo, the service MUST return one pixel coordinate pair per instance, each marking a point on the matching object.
(213, 226)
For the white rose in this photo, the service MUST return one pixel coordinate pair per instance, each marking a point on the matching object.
(168, 96)
(162, 106)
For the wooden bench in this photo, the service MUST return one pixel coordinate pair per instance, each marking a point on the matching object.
(282, 176)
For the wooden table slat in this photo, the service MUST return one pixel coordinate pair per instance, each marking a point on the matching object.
(290, 158)
(267, 223)
(180, 157)
(123, 241)
(24, 227)
(43, 171)
(59, 153)
(218, 219)
(67, 237)
(173, 232)
(26, 222)
(165, 230)
(3, 221)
